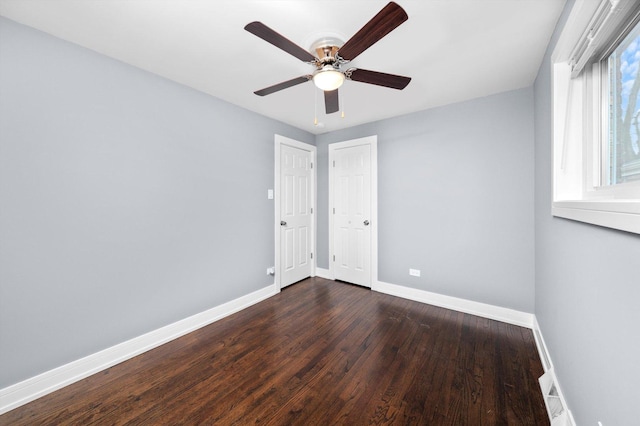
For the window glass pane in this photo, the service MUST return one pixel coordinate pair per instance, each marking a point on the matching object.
(624, 110)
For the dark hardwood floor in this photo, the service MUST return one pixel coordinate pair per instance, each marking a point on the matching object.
(318, 353)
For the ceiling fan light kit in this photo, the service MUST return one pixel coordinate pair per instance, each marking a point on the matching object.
(328, 78)
(330, 56)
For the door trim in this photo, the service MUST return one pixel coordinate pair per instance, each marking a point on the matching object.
(279, 141)
(372, 141)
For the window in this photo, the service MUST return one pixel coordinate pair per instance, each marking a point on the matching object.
(623, 78)
(596, 112)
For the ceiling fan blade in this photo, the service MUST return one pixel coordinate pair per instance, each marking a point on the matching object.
(285, 84)
(331, 102)
(388, 19)
(267, 34)
(379, 78)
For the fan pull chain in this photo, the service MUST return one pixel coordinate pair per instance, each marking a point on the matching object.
(342, 106)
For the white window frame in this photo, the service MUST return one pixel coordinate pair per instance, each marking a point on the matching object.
(579, 136)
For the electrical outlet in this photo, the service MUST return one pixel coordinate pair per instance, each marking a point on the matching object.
(414, 272)
(271, 270)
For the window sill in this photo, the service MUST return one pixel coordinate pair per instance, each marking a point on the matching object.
(617, 214)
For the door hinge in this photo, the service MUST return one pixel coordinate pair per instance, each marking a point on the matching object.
(312, 165)
(311, 210)
(334, 163)
(312, 255)
(334, 210)
(334, 257)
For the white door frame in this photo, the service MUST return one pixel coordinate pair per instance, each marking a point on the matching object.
(279, 141)
(372, 141)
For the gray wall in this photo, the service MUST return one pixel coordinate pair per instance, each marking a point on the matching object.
(128, 202)
(455, 199)
(587, 293)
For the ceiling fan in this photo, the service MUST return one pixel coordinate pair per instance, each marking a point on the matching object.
(331, 57)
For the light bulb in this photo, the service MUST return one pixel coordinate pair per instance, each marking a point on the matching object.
(328, 78)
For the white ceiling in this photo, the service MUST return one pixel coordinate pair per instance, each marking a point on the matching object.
(454, 50)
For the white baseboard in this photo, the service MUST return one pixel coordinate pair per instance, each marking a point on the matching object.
(28, 390)
(323, 273)
(543, 352)
(549, 378)
(510, 316)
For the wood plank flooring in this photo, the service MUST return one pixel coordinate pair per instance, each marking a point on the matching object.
(319, 353)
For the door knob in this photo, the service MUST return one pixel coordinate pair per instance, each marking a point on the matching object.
(283, 223)
(366, 223)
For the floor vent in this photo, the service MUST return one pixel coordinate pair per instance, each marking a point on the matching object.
(553, 400)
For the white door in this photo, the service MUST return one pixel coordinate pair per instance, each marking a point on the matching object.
(295, 214)
(351, 175)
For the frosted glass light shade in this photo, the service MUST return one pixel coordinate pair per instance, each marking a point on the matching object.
(328, 79)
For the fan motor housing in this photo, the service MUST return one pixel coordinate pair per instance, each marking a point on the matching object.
(326, 50)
